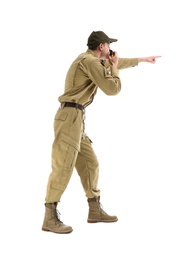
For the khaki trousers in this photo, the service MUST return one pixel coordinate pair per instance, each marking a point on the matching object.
(70, 150)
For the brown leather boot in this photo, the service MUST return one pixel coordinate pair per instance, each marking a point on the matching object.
(52, 222)
(97, 214)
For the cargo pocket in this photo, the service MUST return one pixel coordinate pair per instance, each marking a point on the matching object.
(61, 115)
(71, 156)
(70, 149)
(69, 140)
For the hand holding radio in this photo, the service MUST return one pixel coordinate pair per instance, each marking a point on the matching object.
(113, 58)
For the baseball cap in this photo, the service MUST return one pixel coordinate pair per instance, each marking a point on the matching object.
(97, 37)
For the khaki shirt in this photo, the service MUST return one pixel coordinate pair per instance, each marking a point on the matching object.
(87, 74)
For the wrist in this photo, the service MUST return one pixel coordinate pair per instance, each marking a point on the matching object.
(141, 59)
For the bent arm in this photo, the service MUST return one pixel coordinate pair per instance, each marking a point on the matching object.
(107, 80)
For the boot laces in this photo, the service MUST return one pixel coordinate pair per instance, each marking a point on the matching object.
(101, 208)
(57, 215)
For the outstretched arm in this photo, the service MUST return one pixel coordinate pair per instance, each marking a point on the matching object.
(150, 59)
(124, 63)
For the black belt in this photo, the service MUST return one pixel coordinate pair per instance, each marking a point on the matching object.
(70, 104)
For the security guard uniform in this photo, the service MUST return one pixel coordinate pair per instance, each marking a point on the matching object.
(71, 148)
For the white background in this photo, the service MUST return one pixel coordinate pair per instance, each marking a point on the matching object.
(136, 134)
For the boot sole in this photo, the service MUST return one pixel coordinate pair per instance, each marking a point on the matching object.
(50, 230)
(105, 221)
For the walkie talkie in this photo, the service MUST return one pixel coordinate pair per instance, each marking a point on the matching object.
(111, 53)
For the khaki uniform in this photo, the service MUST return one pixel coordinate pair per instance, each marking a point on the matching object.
(70, 147)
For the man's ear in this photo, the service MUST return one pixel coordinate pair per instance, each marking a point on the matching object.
(100, 46)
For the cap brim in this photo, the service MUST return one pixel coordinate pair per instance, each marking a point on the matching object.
(112, 40)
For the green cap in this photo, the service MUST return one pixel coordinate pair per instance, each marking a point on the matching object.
(97, 37)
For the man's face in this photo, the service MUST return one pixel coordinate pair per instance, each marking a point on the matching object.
(105, 47)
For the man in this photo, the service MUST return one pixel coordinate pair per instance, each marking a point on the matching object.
(72, 148)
